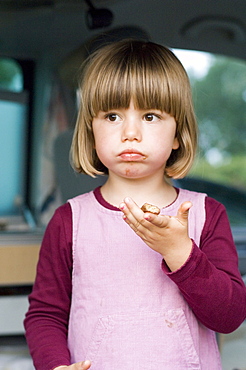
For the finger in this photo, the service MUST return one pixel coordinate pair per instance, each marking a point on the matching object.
(131, 211)
(136, 218)
(130, 204)
(157, 220)
(183, 212)
(86, 365)
(133, 215)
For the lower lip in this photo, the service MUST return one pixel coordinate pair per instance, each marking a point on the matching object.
(132, 157)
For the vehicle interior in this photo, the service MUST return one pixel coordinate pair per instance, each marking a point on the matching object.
(42, 46)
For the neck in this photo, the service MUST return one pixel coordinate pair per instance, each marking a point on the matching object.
(152, 190)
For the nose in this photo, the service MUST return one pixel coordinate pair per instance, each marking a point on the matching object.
(131, 130)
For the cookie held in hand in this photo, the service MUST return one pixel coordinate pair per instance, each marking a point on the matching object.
(150, 208)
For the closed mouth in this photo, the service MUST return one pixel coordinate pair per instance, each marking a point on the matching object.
(132, 155)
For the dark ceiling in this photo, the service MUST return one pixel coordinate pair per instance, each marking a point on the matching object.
(32, 27)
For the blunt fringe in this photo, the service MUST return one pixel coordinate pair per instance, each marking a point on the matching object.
(150, 75)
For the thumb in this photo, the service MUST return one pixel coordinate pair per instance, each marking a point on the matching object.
(183, 212)
(84, 365)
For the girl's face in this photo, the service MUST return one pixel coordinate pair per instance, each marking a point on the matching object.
(134, 143)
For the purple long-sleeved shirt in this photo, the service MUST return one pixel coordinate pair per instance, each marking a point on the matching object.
(209, 281)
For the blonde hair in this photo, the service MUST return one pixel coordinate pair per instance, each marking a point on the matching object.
(154, 78)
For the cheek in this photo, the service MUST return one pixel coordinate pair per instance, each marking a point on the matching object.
(102, 148)
(163, 146)
(98, 140)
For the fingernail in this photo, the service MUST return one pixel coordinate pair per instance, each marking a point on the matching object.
(147, 217)
(122, 206)
(127, 200)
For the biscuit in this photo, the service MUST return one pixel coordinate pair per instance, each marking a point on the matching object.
(150, 208)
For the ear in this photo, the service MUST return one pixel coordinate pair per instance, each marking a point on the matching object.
(175, 143)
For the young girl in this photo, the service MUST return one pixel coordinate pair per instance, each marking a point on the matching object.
(117, 288)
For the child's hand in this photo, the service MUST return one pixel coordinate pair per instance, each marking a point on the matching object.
(166, 235)
(84, 365)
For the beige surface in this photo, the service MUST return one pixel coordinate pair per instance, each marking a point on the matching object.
(18, 264)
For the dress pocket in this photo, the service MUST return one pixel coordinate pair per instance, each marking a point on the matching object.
(143, 341)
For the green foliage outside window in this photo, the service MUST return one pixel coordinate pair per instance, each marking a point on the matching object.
(11, 78)
(220, 105)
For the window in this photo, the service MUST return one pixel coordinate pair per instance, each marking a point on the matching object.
(219, 94)
(13, 138)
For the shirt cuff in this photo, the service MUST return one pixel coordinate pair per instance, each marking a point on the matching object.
(187, 269)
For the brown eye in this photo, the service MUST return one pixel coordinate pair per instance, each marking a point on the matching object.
(112, 117)
(151, 117)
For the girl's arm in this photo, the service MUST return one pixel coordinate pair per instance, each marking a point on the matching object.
(46, 321)
(208, 277)
(210, 280)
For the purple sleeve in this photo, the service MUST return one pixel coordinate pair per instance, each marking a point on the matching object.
(46, 321)
(210, 280)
